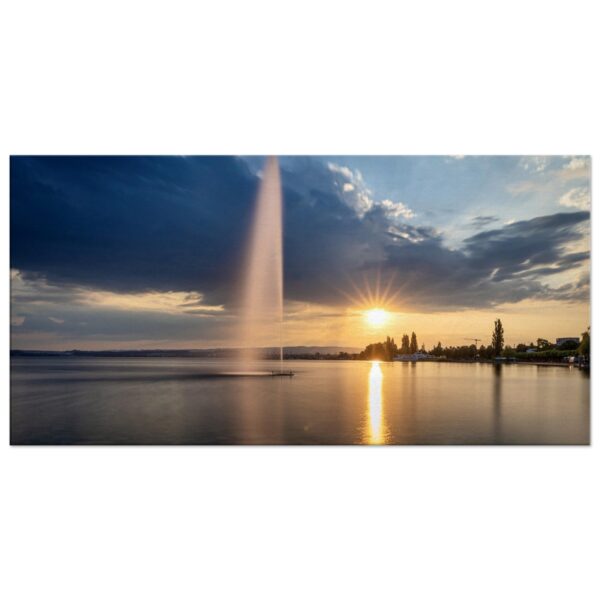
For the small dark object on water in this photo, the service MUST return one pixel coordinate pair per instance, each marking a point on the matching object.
(282, 373)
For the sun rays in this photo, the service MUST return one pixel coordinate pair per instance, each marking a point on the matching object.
(374, 299)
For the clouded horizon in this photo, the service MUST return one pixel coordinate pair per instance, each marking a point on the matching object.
(148, 252)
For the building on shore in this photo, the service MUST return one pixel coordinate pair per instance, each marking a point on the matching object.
(413, 357)
(563, 340)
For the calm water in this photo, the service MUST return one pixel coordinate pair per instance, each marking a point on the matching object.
(66, 400)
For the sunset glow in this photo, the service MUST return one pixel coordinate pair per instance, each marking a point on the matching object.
(394, 263)
(376, 317)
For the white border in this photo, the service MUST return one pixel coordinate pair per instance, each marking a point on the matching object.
(320, 78)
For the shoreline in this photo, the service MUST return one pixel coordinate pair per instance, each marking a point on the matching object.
(288, 358)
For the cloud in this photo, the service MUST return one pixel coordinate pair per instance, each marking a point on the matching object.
(346, 172)
(576, 168)
(483, 221)
(62, 315)
(517, 249)
(491, 268)
(534, 164)
(35, 290)
(159, 243)
(359, 197)
(578, 162)
(550, 175)
(396, 210)
(578, 197)
(130, 224)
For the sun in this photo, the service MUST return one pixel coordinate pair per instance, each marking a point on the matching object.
(376, 317)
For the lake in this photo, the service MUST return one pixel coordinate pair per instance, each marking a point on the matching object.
(85, 400)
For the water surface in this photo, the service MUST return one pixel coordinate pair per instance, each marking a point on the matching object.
(84, 400)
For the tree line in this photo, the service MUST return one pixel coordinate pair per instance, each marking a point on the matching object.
(388, 349)
(544, 350)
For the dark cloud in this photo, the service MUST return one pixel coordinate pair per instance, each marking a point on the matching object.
(502, 265)
(133, 224)
(130, 223)
(483, 221)
(518, 248)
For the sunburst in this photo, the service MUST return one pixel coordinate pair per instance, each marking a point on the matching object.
(373, 299)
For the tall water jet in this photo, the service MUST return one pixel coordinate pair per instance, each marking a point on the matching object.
(262, 310)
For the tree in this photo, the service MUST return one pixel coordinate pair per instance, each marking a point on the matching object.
(390, 348)
(380, 351)
(498, 338)
(405, 347)
(437, 350)
(413, 343)
(543, 344)
(508, 352)
(486, 351)
(584, 347)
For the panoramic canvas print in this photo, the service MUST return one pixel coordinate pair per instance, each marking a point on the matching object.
(373, 300)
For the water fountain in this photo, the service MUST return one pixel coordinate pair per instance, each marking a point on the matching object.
(262, 302)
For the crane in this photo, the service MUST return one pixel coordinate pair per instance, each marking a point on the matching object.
(474, 340)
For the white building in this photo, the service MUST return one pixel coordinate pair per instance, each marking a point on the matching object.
(412, 357)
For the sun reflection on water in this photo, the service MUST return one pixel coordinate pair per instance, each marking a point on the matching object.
(375, 431)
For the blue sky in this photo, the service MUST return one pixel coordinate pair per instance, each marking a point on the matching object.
(147, 251)
(449, 192)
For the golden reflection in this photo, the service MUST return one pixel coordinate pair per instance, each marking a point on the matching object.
(375, 433)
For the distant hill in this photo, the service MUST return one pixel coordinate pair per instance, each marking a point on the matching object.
(320, 349)
(198, 352)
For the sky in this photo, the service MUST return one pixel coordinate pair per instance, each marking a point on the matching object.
(148, 252)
